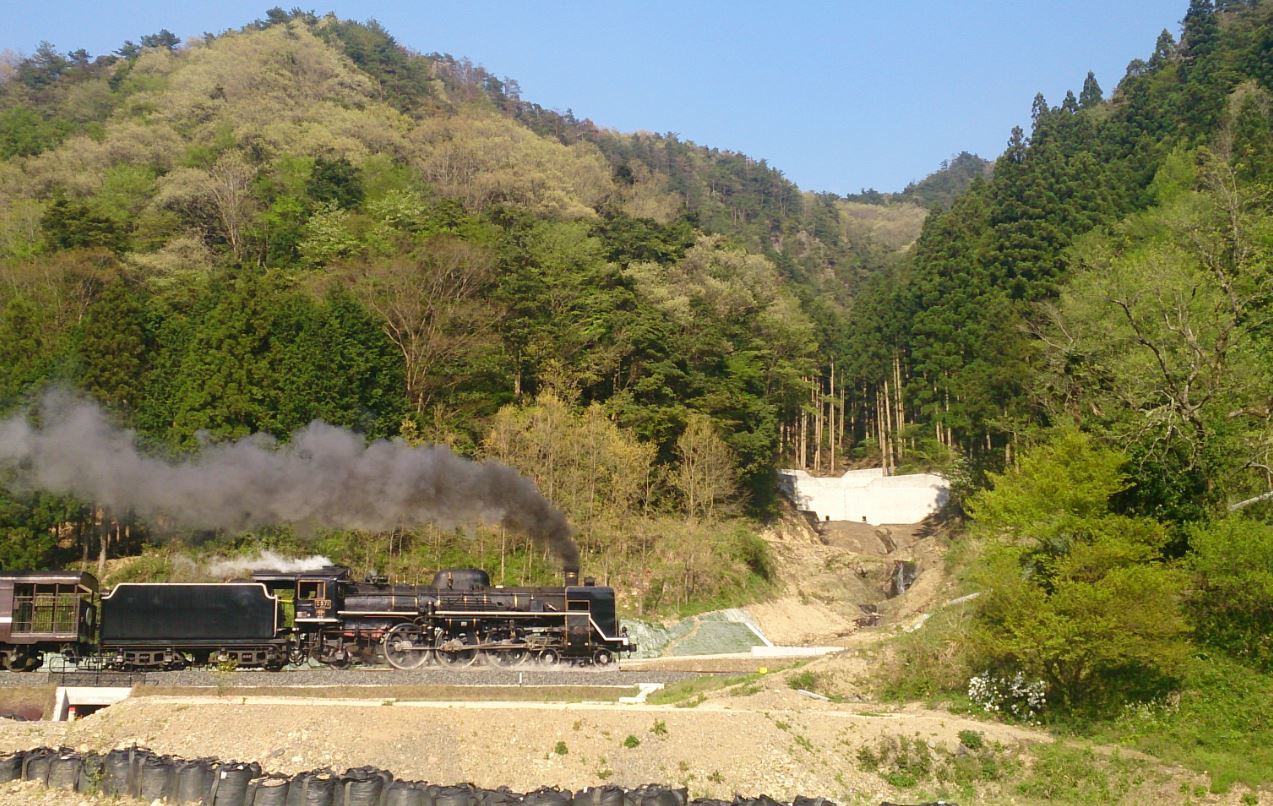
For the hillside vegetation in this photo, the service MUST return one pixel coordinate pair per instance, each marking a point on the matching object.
(1085, 335)
(303, 220)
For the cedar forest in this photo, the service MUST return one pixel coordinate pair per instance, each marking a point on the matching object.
(302, 220)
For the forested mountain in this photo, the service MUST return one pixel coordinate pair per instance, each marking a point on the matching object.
(939, 188)
(1111, 273)
(301, 219)
(1087, 335)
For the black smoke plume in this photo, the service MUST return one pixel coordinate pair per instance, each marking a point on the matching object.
(323, 477)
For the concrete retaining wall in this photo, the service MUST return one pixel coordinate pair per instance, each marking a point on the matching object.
(867, 495)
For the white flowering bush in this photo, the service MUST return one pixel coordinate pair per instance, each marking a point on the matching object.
(1014, 696)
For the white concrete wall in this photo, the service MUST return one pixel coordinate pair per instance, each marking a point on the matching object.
(867, 495)
(67, 696)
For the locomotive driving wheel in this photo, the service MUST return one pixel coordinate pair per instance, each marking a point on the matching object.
(507, 658)
(405, 647)
(459, 651)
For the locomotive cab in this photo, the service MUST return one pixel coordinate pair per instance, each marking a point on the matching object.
(590, 618)
(316, 597)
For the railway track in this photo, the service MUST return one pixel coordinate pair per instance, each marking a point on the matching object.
(358, 676)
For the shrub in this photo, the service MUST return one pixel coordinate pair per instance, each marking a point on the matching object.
(803, 680)
(971, 739)
(1231, 607)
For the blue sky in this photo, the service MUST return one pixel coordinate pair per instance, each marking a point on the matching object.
(837, 95)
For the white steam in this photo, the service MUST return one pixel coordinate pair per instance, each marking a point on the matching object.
(265, 561)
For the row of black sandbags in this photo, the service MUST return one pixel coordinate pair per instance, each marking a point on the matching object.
(139, 773)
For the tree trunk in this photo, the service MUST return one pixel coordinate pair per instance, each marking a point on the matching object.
(815, 397)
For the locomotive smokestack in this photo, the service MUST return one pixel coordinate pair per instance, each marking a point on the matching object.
(323, 477)
(571, 577)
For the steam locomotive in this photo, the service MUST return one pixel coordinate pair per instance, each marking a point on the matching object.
(325, 615)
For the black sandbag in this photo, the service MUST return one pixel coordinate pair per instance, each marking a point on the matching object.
(192, 781)
(547, 796)
(497, 797)
(138, 757)
(35, 767)
(11, 766)
(404, 793)
(431, 792)
(801, 800)
(313, 788)
(763, 800)
(154, 777)
(652, 795)
(117, 773)
(268, 790)
(454, 796)
(710, 802)
(92, 766)
(599, 796)
(362, 786)
(230, 783)
(64, 770)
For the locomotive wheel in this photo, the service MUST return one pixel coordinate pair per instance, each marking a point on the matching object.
(20, 661)
(507, 658)
(402, 647)
(453, 655)
(548, 657)
(603, 657)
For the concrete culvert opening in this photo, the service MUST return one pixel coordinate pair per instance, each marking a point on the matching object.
(77, 702)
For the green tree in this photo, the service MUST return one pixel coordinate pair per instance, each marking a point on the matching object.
(23, 132)
(1074, 594)
(335, 182)
(706, 472)
(1091, 95)
(113, 347)
(68, 225)
(1231, 606)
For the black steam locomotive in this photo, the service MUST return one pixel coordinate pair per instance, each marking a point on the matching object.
(280, 618)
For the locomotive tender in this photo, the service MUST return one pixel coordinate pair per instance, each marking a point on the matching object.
(279, 618)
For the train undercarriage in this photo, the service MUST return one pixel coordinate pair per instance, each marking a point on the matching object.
(406, 646)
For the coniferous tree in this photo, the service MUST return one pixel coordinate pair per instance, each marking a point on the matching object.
(1091, 95)
(113, 347)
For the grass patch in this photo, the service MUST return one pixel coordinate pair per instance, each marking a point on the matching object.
(1221, 724)
(806, 680)
(927, 664)
(405, 693)
(695, 689)
(906, 763)
(1062, 773)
